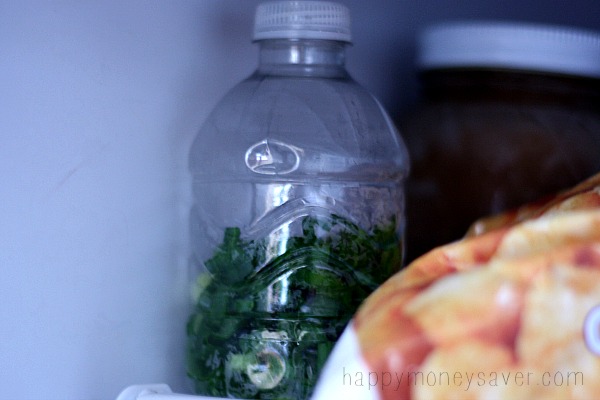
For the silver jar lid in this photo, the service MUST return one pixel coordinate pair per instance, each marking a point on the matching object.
(517, 46)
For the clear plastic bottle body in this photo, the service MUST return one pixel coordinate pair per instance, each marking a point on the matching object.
(298, 215)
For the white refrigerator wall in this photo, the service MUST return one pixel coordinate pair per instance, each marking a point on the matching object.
(99, 101)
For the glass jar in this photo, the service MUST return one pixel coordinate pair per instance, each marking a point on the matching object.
(510, 113)
(298, 209)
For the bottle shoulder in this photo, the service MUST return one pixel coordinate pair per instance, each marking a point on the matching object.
(272, 104)
(304, 89)
(327, 126)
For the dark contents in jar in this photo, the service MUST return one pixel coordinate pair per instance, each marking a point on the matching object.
(485, 141)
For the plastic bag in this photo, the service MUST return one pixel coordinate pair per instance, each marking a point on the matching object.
(511, 311)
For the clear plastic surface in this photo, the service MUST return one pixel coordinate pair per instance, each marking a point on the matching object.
(298, 215)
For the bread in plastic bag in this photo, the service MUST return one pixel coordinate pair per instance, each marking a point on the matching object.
(512, 311)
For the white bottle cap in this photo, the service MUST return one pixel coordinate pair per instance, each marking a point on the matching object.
(516, 46)
(302, 20)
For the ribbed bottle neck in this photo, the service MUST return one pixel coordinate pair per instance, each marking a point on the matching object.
(302, 57)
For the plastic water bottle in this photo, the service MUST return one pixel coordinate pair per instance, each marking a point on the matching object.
(298, 209)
